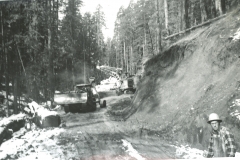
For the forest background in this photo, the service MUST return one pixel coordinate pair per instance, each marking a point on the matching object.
(39, 53)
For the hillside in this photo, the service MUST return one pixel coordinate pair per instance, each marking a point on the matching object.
(197, 75)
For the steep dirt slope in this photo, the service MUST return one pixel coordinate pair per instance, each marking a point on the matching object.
(197, 75)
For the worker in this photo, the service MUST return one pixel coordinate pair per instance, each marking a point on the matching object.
(221, 142)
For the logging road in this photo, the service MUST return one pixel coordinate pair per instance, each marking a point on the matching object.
(89, 136)
(94, 136)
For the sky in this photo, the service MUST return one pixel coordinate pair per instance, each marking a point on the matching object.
(110, 9)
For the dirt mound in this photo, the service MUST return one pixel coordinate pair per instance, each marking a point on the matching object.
(194, 77)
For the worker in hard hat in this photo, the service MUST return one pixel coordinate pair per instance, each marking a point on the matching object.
(221, 142)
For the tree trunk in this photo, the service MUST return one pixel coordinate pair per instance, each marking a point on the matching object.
(223, 5)
(166, 15)
(180, 15)
(159, 28)
(50, 54)
(156, 42)
(186, 16)
(149, 31)
(52, 42)
(207, 7)
(50, 67)
(191, 14)
(203, 11)
(6, 60)
(7, 83)
(218, 5)
(131, 59)
(15, 94)
(116, 57)
(68, 75)
(124, 55)
(127, 58)
(145, 32)
(213, 9)
(1, 70)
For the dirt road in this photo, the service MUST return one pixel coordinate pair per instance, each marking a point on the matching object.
(91, 136)
(96, 136)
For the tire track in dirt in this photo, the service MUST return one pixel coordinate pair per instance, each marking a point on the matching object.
(149, 147)
(92, 140)
(101, 138)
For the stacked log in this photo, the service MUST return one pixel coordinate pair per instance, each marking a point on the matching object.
(43, 117)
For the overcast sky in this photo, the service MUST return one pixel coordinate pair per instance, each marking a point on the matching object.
(110, 9)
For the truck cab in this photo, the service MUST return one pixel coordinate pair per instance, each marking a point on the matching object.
(84, 97)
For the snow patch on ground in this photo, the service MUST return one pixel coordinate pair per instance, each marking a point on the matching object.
(186, 152)
(102, 88)
(131, 151)
(237, 155)
(45, 113)
(107, 84)
(234, 109)
(7, 120)
(39, 144)
(236, 35)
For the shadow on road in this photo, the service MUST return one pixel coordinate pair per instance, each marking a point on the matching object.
(86, 124)
(105, 94)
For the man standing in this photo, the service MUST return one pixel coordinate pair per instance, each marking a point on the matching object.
(221, 143)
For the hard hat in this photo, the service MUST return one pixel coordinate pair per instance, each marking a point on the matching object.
(213, 117)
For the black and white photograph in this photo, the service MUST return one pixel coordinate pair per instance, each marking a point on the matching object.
(119, 79)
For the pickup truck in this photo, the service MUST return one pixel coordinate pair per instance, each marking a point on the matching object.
(83, 98)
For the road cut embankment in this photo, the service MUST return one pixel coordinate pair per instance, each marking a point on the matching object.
(197, 75)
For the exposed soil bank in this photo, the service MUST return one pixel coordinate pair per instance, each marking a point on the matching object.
(194, 77)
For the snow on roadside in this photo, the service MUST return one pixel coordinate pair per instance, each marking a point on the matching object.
(132, 152)
(237, 155)
(36, 144)
(7, 120)
(107, 84)
(186, 152)
(233, 109)
(236, 35)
